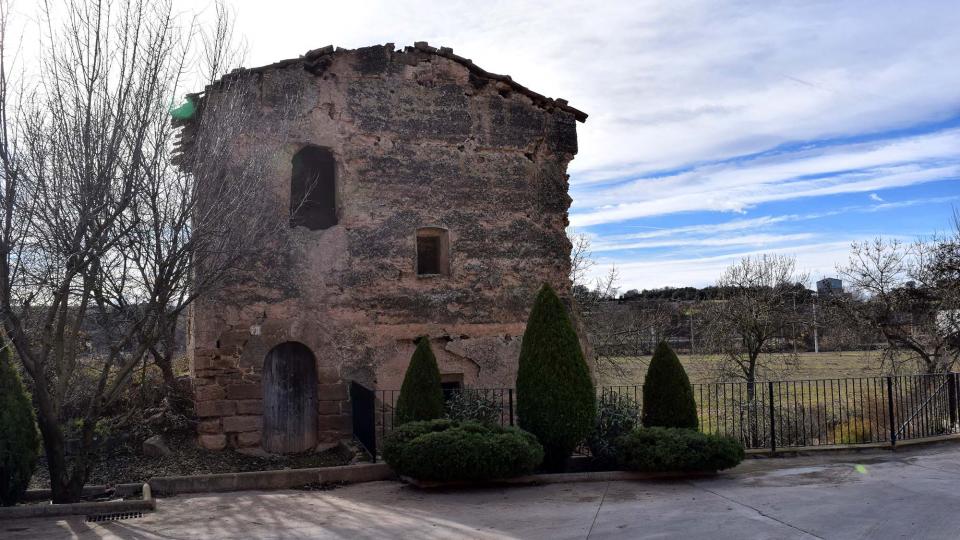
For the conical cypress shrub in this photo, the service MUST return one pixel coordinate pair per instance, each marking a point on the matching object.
(667, 394)
(19, 441)
(421, 397)
(555, 395)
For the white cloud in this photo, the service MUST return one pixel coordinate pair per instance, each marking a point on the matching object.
(815, 259)
(726, 241)
(668, 83)
(689, 86)
(738, 185)
(875, 197)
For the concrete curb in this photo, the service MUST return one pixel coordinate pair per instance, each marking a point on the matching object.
(83, 508)
(792, 451)
(120, 490)
(562, 478)
(265, 480)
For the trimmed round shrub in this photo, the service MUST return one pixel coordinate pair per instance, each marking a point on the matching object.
(446, 450)
(667, 394)
(616, 416)
(421, 397)
(19, 440)
(555, 395)
(670, 449)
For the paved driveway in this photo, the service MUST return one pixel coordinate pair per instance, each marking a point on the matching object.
(909, 494)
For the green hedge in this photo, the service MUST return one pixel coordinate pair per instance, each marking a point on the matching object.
(19, 440)
(473, 405)
(671, 449)
(421, 396)
(616, 416)
(556, 400)
(447, 450)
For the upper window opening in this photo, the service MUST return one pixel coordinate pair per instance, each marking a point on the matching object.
(432, 252)
(313, 189)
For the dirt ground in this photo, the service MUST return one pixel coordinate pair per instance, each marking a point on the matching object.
(704, 369)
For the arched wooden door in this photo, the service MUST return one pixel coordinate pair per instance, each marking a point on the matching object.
(289, 399)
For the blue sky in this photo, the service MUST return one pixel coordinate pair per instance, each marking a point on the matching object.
(716, 129)
(809, 199)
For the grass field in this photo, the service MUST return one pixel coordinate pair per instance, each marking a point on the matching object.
(703, 369)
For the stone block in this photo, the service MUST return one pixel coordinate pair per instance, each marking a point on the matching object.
(226, 377)
(214, 362)
(235, 424)
(338, 422)
(329, 437)
(328, 375)
(328, 407)
(209, 426)
(213, 442)
(250, 406)
(232, 341)
(156, 447)
(209, 392)
(245, 391)
(207, 409)
(249, 438)
(331, 392)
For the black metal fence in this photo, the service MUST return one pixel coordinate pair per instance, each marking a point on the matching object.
(785, 414)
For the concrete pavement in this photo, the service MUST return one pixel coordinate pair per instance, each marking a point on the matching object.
(908, 494)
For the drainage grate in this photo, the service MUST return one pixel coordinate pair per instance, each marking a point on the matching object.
(116, 516)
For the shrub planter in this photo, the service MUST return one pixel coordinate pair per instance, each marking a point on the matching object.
(120, 490)
(147, 503)
(451, 451)
(561, 478)
(266, 480)
(672, 449)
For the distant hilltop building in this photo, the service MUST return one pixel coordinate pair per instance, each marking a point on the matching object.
(829, 286)
(425, 197)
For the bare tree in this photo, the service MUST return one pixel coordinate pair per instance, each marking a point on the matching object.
(99, 227)
(909, 294)
(581, 261)
(747, 325)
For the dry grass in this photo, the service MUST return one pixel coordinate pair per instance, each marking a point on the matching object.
(703, 369)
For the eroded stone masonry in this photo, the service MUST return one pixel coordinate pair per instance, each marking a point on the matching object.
(425, 196)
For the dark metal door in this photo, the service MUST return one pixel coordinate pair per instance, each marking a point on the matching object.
(363, 403)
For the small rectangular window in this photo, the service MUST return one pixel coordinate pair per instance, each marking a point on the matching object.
(428, 249)
(432, 248)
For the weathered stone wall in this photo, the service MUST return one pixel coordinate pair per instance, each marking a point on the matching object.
(421, 138)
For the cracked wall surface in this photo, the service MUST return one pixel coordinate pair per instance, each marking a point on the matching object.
(421, 138)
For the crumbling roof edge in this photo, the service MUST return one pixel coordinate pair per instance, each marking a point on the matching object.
(422, 46)
(447, 52)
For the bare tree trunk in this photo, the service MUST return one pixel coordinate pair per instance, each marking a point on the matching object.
(96, 230)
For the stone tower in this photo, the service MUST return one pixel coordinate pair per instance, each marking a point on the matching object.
(424, 197)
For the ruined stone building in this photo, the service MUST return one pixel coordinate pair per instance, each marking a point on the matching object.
(425, 197)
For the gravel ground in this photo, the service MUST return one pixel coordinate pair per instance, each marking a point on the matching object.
(124, 466)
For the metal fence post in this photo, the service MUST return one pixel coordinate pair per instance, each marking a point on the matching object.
(890, 415)
(510, 394)
(952, 399)
(773, 420)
